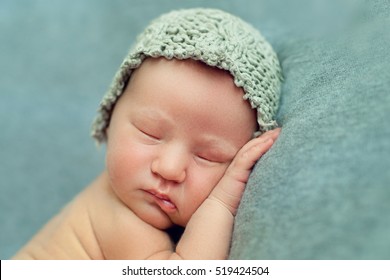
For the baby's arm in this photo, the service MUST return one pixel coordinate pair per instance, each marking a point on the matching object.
(208, 233)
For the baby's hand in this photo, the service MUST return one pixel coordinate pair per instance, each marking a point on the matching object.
(230, 188)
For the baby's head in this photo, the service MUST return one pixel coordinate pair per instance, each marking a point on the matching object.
(177, 112)
(215, 38)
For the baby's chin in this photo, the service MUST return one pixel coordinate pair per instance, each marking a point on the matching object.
(160, 222)
(165, 225)
(164, 222)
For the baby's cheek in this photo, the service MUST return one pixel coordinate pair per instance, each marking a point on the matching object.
(205, 182)
(114, 169)
(118, 165)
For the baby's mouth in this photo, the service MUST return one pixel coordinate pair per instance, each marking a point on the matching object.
(163, 201)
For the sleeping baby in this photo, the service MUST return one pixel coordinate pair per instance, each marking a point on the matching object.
(190, 111)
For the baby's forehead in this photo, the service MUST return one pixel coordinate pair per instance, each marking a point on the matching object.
(189, 74)
(183, 97)
(174, 72)
(163, 83)
(190, 65)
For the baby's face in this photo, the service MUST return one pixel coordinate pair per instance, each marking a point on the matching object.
(171, 137)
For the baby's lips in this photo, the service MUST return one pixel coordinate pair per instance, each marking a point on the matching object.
(168, 203)
(163, 200)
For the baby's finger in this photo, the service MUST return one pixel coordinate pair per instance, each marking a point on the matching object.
(259, 144)
(248, 155)
(270, 134)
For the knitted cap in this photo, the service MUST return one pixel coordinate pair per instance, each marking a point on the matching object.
(216, 38)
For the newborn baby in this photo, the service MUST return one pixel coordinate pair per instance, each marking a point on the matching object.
(189, 113)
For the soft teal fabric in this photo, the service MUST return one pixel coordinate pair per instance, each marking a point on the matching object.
(322, 192)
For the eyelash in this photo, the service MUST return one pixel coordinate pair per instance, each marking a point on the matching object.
(205, 159)
(151, 136)
(208, 160)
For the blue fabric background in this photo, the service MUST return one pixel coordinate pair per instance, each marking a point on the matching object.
(322, 192)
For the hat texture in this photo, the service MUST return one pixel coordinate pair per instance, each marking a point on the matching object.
(216, 38)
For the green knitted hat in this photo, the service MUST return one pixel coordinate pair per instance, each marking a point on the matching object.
(216, 38)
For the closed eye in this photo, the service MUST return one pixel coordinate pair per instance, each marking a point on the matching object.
(210, 159)
(150, 135)
(147, 133)
(205, 159)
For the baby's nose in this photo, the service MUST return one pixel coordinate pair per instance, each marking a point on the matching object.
(171, 163)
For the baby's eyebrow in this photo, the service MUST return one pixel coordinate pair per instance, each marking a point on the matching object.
(153, 115)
